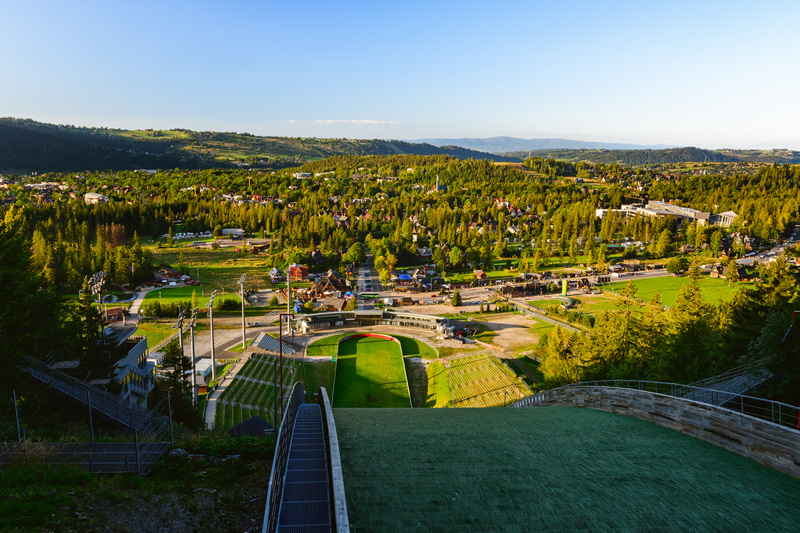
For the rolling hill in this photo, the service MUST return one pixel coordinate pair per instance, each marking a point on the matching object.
(30, 146)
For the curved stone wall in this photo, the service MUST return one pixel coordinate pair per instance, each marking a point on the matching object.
(771, 444)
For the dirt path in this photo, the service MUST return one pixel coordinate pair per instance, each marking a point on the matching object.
(524, 370)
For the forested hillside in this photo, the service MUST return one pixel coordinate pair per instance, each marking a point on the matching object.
(29, 146)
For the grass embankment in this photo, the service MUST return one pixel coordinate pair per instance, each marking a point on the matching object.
(316, 374)
(238, 348)
(325, 347)
(370, 373)
(530, 365)
(439, 394)
(415, 348)
(178, 493)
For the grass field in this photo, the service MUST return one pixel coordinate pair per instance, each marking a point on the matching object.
(370, 373)
(548, 469)
(482, 381)
(176, 295)
(217, 269)
(713, 290)
(156, 331)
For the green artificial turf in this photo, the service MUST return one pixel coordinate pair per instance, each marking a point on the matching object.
(415, 348)
(548, 468)
(370, 373)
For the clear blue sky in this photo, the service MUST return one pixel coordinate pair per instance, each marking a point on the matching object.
(711, 74)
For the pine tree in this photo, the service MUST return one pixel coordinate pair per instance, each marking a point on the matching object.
(177, 385)
(455, 301)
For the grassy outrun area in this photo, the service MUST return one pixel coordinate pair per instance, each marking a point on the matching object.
(316, 374)
(415, 348)
(325, 347)
(714, 290)
(370, 373)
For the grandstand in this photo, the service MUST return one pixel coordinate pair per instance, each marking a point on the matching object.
(254, 391)
(271, 344)
(481, 381)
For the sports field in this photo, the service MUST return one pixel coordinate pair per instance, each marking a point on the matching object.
(370, 372)
(714, 290)
(548, 469)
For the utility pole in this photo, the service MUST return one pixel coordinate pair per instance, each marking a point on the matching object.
(213, 351)
(244, 330)
(194, 370)
(288, 297)
(179, 326)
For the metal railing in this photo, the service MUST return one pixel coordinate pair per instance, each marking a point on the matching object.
(339, 519)
(280, 459)
(143, 434)
(776, 412)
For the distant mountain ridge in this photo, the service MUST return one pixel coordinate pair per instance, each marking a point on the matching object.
(666, 156)
(503, 145)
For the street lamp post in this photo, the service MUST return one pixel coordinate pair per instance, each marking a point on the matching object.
(280, 335)
(244, 331)
(213, 351)
(194, 370)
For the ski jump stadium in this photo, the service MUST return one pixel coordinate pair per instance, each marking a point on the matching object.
(611, 455)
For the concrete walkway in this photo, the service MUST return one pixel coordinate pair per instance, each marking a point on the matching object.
(211, 401)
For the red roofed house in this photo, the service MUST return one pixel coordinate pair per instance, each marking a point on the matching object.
(298, 273)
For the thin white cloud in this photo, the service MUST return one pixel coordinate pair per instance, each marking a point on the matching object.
(292, 121)
(355, 122)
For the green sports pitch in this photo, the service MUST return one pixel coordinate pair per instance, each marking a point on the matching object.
(370, 372)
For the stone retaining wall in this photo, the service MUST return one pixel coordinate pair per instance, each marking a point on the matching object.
(771, 444)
